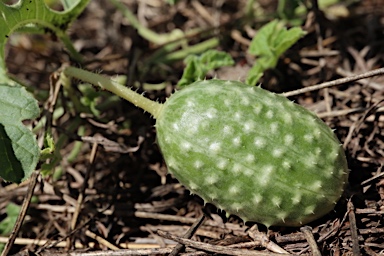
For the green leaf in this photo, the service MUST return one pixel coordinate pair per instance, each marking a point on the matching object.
(7, 224)
(268, 45)
(286, 8)
(197, 67)
(17, 142)
(27, 13)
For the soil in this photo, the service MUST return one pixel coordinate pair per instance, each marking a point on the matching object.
(109, 192)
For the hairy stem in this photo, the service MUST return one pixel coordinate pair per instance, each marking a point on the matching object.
(154, 108)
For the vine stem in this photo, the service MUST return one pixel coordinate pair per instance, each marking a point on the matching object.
(154, 108)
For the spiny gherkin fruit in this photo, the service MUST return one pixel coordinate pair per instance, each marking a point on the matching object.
(252, 153)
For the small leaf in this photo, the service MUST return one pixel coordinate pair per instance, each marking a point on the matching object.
(197, 67)
(286, 9)
(17, 142)
(268, 45)
(7, 224)
(49, 147)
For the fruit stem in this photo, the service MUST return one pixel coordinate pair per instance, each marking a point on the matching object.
(154, 108)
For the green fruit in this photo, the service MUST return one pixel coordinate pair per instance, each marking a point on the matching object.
(252, 153)
(246, 150)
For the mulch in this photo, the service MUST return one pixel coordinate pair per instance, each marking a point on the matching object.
(110, 193)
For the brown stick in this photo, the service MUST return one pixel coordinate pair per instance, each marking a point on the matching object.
(216, 248)
(22, 213)
(307, 231)
(188, 235)
(264, 241)
(353, 228)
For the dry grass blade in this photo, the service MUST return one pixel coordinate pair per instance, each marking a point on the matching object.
(336, 82)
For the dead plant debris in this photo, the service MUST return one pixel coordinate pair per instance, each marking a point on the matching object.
(112, 195)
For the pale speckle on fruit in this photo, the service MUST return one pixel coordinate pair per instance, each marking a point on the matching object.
(222, 164)
(212, 179)
(236, 141)
(192, 185)
(237, 116)
(297, 198)
(276, 201)
(198, 164)
(245, 101)
(250, 158)
(186, 145)
(269, 101)
(250, 89)
(257, 199)
(190, 103)
(236, 206)
(248, 172)
(193, 129)
(233, 190)
(274, 127)
(257, 109)
(287, 118)
(237, 168)
(334, 153)
(227, 102)
(266, 175)
(308, 138)
(288, 140)
(248, 126)
(259, 142)
(309, 209)
(311, 161)
(269, 114)
(286, 165)
(175, 126)
(167, 139)
(215, 147)
(281, 216)
(316, 185)
(212, 196)
(171, 162)
(227, 129)
(211, 113)
(277, 152)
